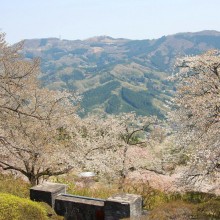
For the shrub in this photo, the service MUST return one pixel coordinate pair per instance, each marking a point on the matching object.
(210, 209)
(181, 210)
(178, 210)
(15, 208)
(151, 197)
(197, 197)
(15, 186)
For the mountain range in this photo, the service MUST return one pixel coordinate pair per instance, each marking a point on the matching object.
(117, 75)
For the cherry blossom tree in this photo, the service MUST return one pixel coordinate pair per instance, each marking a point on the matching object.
(106, 142)
(32, 119)
(196, 118)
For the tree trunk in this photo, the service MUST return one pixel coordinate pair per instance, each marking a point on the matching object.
(123, 171)
(33, 179)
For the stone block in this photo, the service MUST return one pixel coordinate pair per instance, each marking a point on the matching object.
(47, 192)
(123, 206)
(79, 207)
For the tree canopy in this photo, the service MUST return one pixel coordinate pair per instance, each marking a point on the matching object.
(196, 117)
(31, 119)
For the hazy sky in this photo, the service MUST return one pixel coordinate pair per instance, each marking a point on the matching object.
(80, 19)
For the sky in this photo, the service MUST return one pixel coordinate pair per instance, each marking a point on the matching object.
(82, 19)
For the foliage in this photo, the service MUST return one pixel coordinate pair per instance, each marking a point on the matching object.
(12, 207)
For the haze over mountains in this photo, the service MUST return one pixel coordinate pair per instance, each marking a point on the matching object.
(117, 75)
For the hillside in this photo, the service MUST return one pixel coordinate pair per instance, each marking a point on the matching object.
(117, 75)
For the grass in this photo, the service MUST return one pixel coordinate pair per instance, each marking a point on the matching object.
(15, 186)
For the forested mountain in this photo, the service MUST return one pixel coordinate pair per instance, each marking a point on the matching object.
(117, 75)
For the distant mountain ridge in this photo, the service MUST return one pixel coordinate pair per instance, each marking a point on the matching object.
(117, 75)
